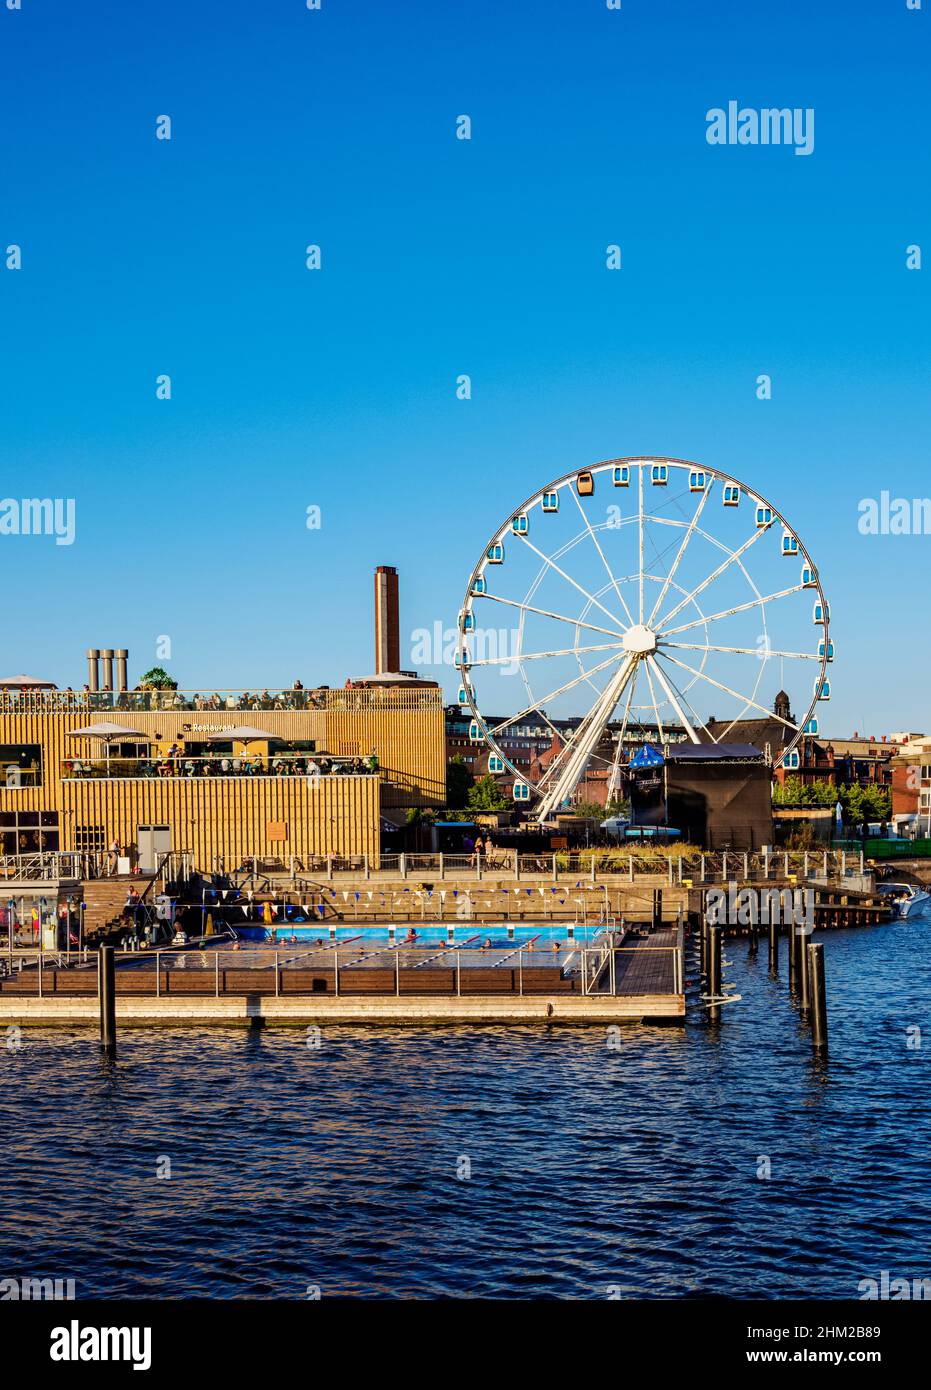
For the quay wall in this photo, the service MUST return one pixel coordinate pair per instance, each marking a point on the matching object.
(250, 1012)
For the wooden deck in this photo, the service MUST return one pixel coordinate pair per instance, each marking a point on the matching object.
(646, 965)
(371, 982)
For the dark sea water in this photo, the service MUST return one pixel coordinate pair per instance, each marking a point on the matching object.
(591, 1169)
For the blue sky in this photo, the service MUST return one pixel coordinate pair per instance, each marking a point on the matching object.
(337, 388)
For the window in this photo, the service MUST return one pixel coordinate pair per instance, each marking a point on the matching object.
(89, 839)
(20, 765)
(28, 832)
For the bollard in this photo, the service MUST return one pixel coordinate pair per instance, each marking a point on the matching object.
(819, 1008)
(773, 946)
(106, 990)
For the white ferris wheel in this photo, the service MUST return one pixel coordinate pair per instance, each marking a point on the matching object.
(641, 597)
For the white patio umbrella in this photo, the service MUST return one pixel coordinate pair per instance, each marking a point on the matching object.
(26, 683)
(107, 732)
(243, 733)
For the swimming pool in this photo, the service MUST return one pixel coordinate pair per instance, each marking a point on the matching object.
(427, 933)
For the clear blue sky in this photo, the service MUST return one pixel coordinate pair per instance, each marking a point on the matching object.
(442, 257)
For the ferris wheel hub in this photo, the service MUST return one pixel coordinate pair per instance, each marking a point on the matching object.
(639, 640)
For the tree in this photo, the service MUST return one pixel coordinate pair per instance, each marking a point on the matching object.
(617, 806)
(796, 792)
(589, 810)
(869, 803)
(157, 679)
(459, 782)
(486, 796)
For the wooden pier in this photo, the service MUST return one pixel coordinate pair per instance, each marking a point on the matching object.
(629, 976)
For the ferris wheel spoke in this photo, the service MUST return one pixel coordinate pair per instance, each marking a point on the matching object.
(682, 549)
(677, 698)
(640, 531)
(569, 580)
(745, 699)
(653, 664)
(610, 572)
(659, 721)
(630, 695)
(734, 555)
(545, 613)
(738, 651)
(614, 778)
(542, 656)
(585, 738)
(561, 690)
(729, 612)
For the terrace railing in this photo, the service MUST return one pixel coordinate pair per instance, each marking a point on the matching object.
(344, 701)
(44, 866)
(213, 765)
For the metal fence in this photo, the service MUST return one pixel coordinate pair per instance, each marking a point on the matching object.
(596, 967)
(673, 867)
(46, 865)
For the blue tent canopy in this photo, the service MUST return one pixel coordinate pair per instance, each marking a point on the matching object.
(647, 756)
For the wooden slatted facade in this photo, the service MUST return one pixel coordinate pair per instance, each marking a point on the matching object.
(234, 817)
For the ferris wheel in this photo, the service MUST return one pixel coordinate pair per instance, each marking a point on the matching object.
(642, 597)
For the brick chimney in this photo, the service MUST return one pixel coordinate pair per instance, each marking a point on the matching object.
(387, 627)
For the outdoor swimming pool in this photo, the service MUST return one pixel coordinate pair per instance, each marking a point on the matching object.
(427, 933)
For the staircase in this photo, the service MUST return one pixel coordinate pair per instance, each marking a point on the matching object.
(105, 898)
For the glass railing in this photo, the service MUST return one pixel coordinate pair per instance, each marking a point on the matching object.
(218, 765)
(346, 700)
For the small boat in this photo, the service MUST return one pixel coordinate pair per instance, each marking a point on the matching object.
(906, 897)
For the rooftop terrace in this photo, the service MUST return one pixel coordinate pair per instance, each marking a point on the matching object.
(324, 699)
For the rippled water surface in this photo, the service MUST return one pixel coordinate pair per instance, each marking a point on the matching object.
(637, 1167)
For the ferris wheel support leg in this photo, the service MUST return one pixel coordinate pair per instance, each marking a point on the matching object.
(654, 666)
(586, 740)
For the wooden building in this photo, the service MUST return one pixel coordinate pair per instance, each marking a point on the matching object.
(58, 791)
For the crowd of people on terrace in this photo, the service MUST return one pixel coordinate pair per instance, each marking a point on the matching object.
(167, 698)
(177, 763)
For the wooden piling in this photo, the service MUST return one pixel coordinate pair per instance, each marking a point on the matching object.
(106, 990)
(804, 982)
(819, 1008)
